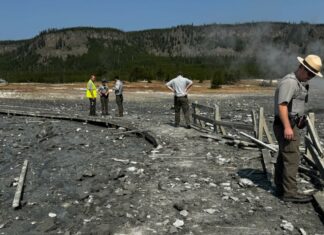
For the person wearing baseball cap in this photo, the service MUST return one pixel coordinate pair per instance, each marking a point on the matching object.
(104, 97)
(290, 99)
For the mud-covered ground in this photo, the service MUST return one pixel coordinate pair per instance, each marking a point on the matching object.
(85, 179)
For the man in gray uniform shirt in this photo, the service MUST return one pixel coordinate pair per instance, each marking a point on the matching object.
(289, 108)
(180, 86)
(118, 88)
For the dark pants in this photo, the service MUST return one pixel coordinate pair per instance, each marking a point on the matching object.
(92, 107)
(104, 105)
(119, 102)
(181, 103)
(286, 168)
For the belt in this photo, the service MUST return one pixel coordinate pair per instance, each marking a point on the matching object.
(293, 121)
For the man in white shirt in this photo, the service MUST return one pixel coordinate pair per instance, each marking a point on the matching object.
(180, 86)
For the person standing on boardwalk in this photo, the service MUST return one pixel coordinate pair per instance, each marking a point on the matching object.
(118, 88)
(104, 96)
(289, 107)
(91, 94)
(180, 87)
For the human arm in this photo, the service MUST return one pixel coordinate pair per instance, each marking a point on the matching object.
(107, 91)
(169, 86)
(116, 86)
(283, 114)
(189, 86)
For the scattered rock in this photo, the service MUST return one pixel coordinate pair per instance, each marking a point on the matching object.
(210, 211)
(285, 225)
(88, 173)
(184, 213)
(244, 183)
(178, 223)
(52, 215)
(302, 231)
(180, 206)
(173, 230)
(47, 225)
(131, 169)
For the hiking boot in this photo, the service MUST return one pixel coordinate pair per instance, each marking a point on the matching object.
(298, 198)
(176, 125)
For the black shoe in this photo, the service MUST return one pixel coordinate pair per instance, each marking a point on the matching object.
(176, 125)
(278, 191)
(298, 198)
(188, 127)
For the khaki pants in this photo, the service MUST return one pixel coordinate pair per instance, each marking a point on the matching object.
(181, 103)
(104, 105)
(119, 102)
(286, 168)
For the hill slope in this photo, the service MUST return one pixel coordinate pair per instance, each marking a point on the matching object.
(202, 52)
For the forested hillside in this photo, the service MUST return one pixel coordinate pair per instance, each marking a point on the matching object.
(223, 53)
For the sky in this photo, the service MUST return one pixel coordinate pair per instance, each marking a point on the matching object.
(24, 19)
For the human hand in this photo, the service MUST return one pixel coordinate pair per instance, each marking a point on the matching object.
(288, 133)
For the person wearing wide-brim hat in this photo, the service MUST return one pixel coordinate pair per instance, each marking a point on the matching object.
(104, 96)
(290, 101)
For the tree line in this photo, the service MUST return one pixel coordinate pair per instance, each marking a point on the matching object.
(128, 62)
(131, 58)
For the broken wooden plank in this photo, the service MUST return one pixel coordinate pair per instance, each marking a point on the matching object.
(258, 141)
(215, 137)
(307, 153)
(194, 111)
(218, 118)
(197, 112)
(314, 137)
(224, 123)
(199, 128)
(316, 158)
(261, 123)
(255, 124)
(267, 132)
(203, 107)
(319, 198)
(309, 158)
(16, 201)
(263, 127)
(129, 132)
(225, 139)
(267, 164)
(310, 173)
(92, 120)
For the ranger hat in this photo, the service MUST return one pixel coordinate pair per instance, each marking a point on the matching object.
(312, 63)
